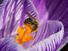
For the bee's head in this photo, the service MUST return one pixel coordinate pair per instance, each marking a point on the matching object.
(32, 22)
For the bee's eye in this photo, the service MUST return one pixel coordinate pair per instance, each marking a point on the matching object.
(1, 1)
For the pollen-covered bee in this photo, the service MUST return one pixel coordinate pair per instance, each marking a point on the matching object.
(30, 25)
(32, 22)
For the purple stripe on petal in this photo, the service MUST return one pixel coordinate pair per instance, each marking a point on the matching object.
(6, 45)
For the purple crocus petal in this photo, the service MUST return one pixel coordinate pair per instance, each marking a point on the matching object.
(58, 10)
(41, 8)
(9, 18)
(7, 45)
(48, 37)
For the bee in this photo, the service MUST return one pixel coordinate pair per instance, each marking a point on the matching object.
(30, 25)
(32, 22)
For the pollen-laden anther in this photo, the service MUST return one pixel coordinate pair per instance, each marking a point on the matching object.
(25, 31)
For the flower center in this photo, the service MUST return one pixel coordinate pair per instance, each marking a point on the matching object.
(24, 34)
(30, 25)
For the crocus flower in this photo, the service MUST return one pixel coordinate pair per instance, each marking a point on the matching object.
(50, 32)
